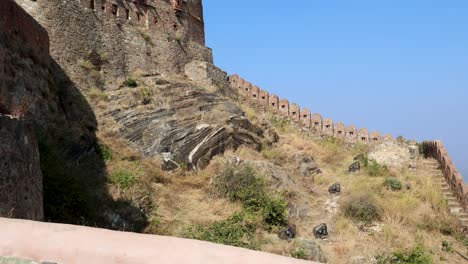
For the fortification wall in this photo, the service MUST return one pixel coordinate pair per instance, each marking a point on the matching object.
(147, 35)
(436, 150)
(303, 116)
(22, 42)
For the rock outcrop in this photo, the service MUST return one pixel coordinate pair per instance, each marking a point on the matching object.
(180, 120)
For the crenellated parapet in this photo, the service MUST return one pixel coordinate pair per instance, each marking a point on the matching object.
(436, 150)
(303, 116)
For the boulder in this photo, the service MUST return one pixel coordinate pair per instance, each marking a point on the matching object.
(288, 233)
(321, 231)
(307, 165)
(312, 250)
(355, 167)
(335, 188)
(359, 157)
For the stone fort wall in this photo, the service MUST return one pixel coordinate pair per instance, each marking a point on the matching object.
(154, 36)
(22, 42)
(349, 134)
(436, 150)
(304, 117)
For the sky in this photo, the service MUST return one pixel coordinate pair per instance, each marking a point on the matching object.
(395, 66)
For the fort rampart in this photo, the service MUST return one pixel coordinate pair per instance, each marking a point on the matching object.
(436, 150)
(303, 116)
(120, 37)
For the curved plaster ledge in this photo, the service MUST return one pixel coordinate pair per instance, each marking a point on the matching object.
(67, 244)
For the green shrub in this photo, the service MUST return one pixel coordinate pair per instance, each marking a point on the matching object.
(299, 253)
(238, 230)
(274, 212)
(375, 169)
(104, 151)
(362, 208)
(240, 184)
(130, 83)
(123, 178)
(393, 184)
(243, 185)
(416, 255)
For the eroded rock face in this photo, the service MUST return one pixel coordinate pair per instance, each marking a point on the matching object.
(20, 171)
(181, 120)
(392, 154)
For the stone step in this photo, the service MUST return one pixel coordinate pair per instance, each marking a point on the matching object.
(453, 204)
(448, 194)
(451, 199)
(455, 209)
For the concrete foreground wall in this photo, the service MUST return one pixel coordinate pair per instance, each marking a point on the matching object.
(436, 150)
(76, 244)
(303, 116)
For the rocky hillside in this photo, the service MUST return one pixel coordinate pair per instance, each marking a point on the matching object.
(127, 141)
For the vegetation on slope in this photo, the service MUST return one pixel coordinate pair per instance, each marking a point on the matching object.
(385, 214)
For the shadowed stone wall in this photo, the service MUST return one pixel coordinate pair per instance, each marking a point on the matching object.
(22, 42)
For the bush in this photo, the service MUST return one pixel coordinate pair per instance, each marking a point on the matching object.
(104, 151)
(274, 212)
(130, 83)
(393, 184)
(123, 179)
(416, 255)
(362, 208)
(299, 253)
(237, 231)
(243, 185)
(375, 169)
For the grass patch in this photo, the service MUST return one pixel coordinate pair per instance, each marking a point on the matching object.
(124, 179)
(375, 169)
(104, 151)
(362, 208)
(130, 83)
(98, 95)
(238, 230)
(243, 185)
(86, 64)
(393, 184)
(416, 255)
(299, 253)
(144, 95)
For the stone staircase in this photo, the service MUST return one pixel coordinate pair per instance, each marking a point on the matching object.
(433, 167)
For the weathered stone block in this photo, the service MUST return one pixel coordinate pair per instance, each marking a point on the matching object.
(294, 112)
(317, 122)
(284, 107)
(328, 127)
(340, 130)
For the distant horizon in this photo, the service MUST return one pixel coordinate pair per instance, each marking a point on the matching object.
(398, 68)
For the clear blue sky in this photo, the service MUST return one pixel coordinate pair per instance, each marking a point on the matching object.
(396, 66)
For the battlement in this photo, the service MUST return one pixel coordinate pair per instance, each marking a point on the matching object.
(304, 117)
(159, 36)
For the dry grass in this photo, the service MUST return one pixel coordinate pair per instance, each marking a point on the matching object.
(408, 216)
